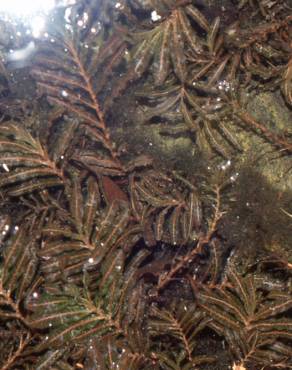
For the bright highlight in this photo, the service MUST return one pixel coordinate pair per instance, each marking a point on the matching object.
(23, 8)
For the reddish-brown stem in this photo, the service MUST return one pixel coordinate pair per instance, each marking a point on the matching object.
(12, 358)
(203, 240)
(270, 136)
(14, 305)
(89, 89)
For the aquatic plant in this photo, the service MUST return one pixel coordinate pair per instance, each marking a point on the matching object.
(254, 322)
(108, 260)
(182, 324)
(209, 64)
(165, 214)
(27, 164)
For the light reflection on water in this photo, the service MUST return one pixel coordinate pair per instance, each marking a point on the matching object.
(20, 9)
(23, 9)
(31, 14)
(29, 20)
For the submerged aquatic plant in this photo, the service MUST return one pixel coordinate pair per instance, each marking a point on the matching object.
(199, 73)
(254, 322)
(100, 250)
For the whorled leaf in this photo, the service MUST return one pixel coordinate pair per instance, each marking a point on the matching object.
(26, 164)
(79, 315)
(68, 75)
(20, 264)
(186, 108)
(176, 216)
(253, 324)
(105, 354)
(91, 231)
(183, 324)
(69, 316)
(165, 45)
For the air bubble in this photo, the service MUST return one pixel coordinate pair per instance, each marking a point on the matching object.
(155, 16)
